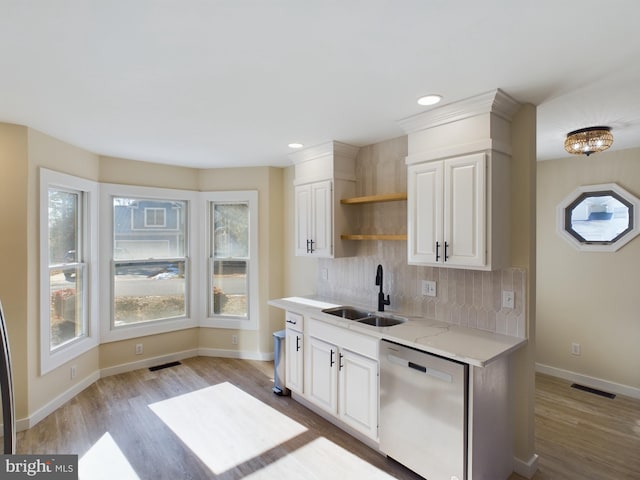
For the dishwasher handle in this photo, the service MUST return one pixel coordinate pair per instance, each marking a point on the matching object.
(432, 372)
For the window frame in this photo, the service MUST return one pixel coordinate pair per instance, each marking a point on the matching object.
(109, 332)
(565, 229)
(88, 217)
(251, 322)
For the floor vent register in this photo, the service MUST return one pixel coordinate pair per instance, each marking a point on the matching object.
(595, 391)
(164, 365)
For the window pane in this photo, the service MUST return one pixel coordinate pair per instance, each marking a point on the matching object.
(63, 225)
(66, 305)
(148, 290)
(231, 230)
(148, 228)
(67, 319)
(229, 281)
(230, 255)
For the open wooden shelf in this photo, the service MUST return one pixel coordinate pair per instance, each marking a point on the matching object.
(374, 237)
(385, 197)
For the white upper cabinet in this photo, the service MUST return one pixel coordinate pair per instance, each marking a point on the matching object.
(314, 223)
(323, 175)
(447, 212)
(459, 184)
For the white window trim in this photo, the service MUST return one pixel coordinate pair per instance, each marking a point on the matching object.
(51, 360)
(107, 330)
(251, 322)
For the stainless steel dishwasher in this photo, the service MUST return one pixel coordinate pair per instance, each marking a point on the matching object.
(423, 411)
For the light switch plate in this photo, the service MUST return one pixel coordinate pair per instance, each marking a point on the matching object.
(429, 288)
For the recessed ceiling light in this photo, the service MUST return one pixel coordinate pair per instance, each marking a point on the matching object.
(429, 99)
(295, 145)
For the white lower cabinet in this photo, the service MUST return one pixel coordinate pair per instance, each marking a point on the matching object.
(341, 375)
(358, 392)
(294, 346)
(322, 378)
(294, 360)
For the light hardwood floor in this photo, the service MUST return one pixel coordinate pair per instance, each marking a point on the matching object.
(578, 435)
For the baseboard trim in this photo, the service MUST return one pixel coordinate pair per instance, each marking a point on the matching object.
(53, 405)
(593, 382)
(526, 469)
(148, 362)
(220, 352)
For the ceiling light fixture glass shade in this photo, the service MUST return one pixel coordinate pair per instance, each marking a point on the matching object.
(586, 141)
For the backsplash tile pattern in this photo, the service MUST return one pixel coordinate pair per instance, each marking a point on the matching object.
(464, 297)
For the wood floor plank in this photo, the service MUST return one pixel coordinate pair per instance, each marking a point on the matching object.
(578, 435)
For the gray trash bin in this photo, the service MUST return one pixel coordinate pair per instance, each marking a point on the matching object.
(279, 379)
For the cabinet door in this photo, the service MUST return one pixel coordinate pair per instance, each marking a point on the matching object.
(464, 210)
(358, 392)
(322, 374)
(302, 218)
(424, 210)
(294, 360)
(322, 218)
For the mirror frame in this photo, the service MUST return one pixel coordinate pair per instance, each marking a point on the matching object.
(564, 209)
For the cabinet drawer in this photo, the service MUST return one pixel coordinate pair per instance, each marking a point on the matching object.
(294, 321)
(344, 338)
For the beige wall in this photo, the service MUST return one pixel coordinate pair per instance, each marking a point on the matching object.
(587, 297)
(14, 253)
(22, 152)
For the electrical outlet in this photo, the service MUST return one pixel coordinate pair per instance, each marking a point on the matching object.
(508, 299)
(234, 339)
(139, 349)
(325, 274)
(429, 288)
(73, 372)
(575, 349)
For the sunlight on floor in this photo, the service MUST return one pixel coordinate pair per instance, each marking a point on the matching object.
(320, 459)
(224, 426)
(105, 461)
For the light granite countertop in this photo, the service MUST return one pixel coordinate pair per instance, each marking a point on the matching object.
(467, 345)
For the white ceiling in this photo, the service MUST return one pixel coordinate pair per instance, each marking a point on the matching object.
(218, 83)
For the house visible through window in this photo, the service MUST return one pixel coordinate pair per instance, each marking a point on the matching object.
(149, 260)
(67, 313)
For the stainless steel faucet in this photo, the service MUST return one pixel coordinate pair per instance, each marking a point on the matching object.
(381, 300)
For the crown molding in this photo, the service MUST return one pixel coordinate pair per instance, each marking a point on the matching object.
(495, 101)
(333, 148)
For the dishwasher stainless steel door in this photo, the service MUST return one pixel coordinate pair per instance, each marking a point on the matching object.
(423, 411)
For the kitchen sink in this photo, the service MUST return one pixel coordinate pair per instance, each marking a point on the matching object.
(350, 313)
(365, 316)
(382, 321)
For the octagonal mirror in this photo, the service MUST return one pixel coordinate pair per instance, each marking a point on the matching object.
(599, 217)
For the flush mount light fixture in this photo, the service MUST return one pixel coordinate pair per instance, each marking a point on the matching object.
(586, 141)
(430, 99)
(295, 145)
